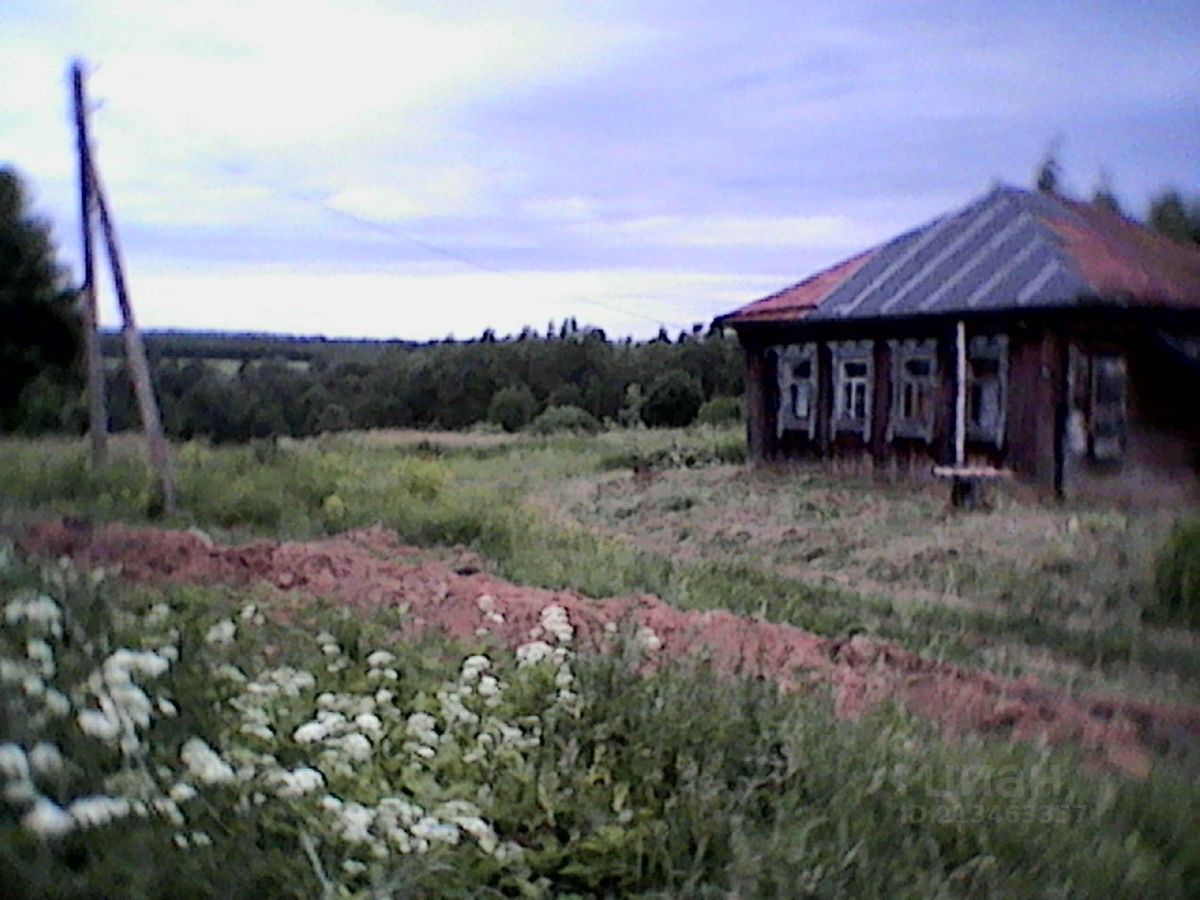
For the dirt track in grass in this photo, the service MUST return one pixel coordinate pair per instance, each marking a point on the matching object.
(370, 569)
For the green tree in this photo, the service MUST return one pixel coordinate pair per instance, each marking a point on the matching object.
(512, 407)
(673, 400)
(1171, 216)
(1104, 197)
(40, 332)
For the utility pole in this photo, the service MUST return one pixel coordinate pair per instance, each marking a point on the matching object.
(97, 407)
(135, 351)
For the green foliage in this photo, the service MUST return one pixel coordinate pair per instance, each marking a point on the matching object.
(564, 775)
(556, 419)
(1172, 216)
(40, 333)
(673, 400)
(1177, 575)
(720, 411)
(238, 387)
(512, 407)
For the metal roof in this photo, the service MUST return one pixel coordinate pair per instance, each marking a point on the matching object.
(1012, 249)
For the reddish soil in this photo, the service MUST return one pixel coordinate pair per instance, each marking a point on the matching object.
(369, 568)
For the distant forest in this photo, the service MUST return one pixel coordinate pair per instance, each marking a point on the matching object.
(233, 387)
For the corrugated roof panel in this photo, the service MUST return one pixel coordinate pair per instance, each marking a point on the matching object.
(1010, 249)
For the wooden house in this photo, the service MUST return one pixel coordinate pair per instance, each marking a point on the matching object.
(1025, 333)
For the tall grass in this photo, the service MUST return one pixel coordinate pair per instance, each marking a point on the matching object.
(680, 783)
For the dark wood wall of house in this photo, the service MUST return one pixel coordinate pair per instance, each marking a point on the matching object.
(1162, 430)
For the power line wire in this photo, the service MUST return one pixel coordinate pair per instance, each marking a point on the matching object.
(381, 228)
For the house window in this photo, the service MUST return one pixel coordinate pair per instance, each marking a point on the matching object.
(797, 388)
(914, 388)
(854, 391)
(1108, 407)
(853, 372)
(987, 388)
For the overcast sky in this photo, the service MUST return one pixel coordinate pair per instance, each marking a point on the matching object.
(402, 169)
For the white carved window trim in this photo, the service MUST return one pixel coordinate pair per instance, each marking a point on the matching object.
(905, 382)
(850, 388)
(987, 388)
(795, 388)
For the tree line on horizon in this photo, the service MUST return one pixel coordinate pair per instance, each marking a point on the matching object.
(567, 377)
(577, 377)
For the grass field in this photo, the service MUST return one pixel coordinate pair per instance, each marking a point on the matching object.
(678, 784)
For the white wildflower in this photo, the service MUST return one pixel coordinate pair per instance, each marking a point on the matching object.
(383, 696)
(473, 667)
(380, 659)
(355, 820)
(533, 653)
(299, 782)
(41, 611)
(201, 839)
(488, 686)
(353, 867)
(423, 727)
(47, 819)
(248, 612)
(98, 724)
(647, 638)
(231, 673)
(221, 633)
(39, 652)
(356, 746)
(478, 829)
(45, 758)
(204, 763)
(326, 638)
(133, 703)
(309, 733)
(181, 792)
(554, 620)
(93, 812)
(368, 722)
(56, 702)
(157, 614)
(20, 792)
(167, 708)
(430, 829)
(258, 730)
(486, 603)
(33, 686)
(13, 763)
(425, 752)
(169, 810)
(331, 649)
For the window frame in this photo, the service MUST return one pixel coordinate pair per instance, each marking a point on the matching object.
(1107, 447)
(788, 358)
(992, 349)
(903, 353)
(844, 353)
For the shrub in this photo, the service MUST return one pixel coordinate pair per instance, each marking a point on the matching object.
(512, 407)
(565, 394)
(1177, 574)
(720, 411)
(563, 418)
(672, 401)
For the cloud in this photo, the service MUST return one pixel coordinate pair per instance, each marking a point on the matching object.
(433, 300)
(735, 231)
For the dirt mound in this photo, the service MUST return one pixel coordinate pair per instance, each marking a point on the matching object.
(369, 568)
